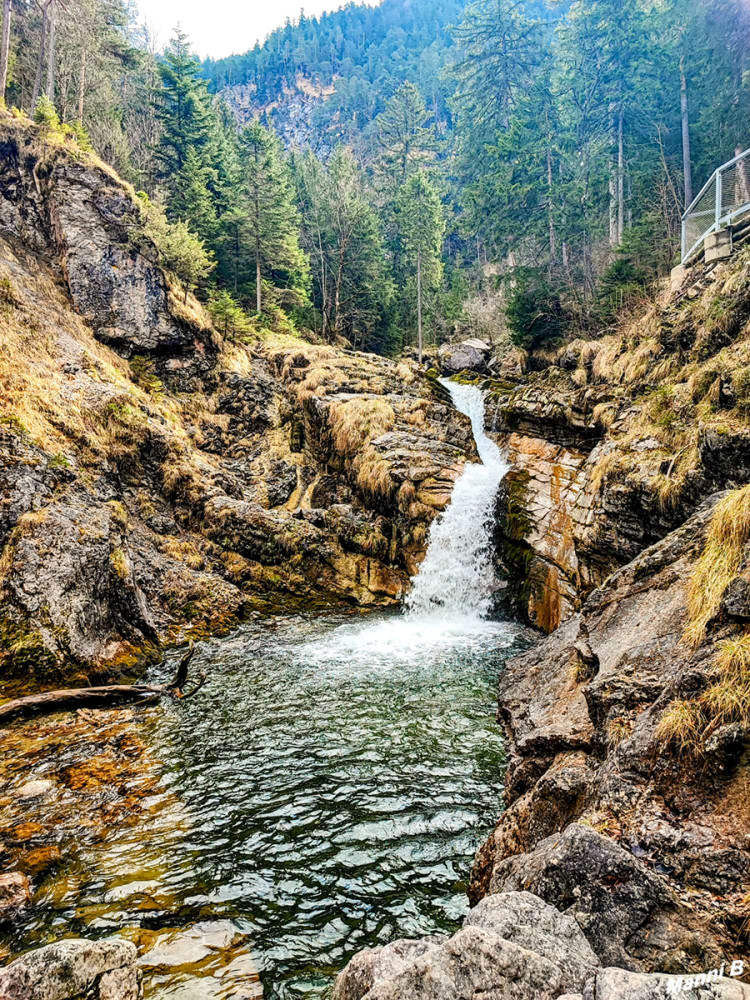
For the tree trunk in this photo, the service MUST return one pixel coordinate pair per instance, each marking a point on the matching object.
(620, 179)
(40, 60)
(613, 205)
(50, 88)
(552, 249)
(82, 86)
(687, 170)
(419, 304)
(5, 48)
(71, 699)
(337, 293)
(258, 299)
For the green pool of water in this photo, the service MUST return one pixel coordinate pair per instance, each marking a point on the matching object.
(325, 792)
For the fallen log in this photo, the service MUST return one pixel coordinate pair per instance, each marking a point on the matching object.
(108, 696)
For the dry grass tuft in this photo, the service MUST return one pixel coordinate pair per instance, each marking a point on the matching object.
(609, 350)
(182, 550)
(406, 493)
(720, 561)
(682, 725)
(357, 421)
(688, 724)
(373, 473)
(604, 468)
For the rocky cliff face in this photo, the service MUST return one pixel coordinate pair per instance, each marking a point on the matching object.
(156, 480)
(616, 441)
(626, 802)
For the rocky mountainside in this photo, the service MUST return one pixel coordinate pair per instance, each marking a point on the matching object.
(157, 479)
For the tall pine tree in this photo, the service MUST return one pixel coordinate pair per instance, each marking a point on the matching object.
(422, 227)
(272, 230)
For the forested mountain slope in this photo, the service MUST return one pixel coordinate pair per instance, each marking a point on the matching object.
(323, 80)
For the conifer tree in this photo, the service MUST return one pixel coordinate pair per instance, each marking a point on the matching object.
(406, 142)
(191, 199)
(182, 107)
(342, 235)
(422, 227)
(273, 222)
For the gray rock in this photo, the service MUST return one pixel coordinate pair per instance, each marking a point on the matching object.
(74, 969)
(474, 962)
(467, 356)
(373, 965)
(617, 984)
(529, 922)
(623, 908)
(512, 946)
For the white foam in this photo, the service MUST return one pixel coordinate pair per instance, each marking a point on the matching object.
(457, 577)
(451, 596)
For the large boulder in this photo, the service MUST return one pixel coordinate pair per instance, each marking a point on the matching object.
(628, 913)
(512, 946)
(376, 965)
(74, 969)
(469, 355)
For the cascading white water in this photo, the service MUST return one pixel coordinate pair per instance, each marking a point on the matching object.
(457, 577)
(445, 617)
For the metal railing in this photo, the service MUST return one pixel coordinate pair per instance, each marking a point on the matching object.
(724, 197)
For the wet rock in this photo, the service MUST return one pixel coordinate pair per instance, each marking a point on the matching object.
(74, 969)
(210, 951)
(15, 895)
(36, 789)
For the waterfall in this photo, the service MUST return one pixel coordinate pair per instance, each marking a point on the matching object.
(457, 577)
(444, 619)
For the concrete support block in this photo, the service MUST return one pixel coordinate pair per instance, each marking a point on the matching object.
(718, 246)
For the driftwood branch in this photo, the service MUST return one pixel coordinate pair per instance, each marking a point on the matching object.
(103, 697)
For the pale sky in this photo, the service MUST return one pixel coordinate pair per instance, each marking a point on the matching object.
(221, 27)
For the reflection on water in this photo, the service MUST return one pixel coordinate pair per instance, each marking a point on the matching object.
(325, 792)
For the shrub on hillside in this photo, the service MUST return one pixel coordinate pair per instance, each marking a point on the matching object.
(533, 309)
(46, 115)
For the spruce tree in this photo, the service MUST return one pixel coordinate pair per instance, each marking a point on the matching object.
(182, 107)
(191, 199)
(406, 142)
(422, 227)
(273, 222)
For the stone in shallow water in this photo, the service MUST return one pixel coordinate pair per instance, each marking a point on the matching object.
(35, 789)
(210, 960)
(15, 894)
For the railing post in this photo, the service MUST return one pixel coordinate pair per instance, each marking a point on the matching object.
(718, 197)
